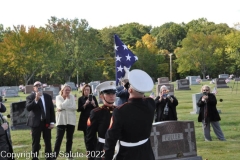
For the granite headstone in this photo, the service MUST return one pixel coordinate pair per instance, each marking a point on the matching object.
(225, 76)
(19, 115)
(10, 93)
(174, 140)
(163, 80)
(28, 89)
(193, 80)
(221, 83)
(169, 86)
(183, 84)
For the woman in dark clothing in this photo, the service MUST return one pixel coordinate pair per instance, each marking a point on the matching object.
(85, 104)
(209, 115)
(165, 106)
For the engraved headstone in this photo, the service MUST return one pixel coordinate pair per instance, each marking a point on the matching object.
(223, 76)
(49, 92)
(174, 140)
(15, 87)
(10, 93)
(54, 89)
(195, 98)
(183, 84)
(193, 79)
(163, 80)
(169, 86)
(28, 89)
(221, 83)
(19, 115)
(2, 90)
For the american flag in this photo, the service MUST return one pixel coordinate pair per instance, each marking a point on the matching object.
(227, 80)
(214, 91)
(124, 57)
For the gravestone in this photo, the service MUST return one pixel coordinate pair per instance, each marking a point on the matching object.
(93, 85)
(195, 98)
(54, 89)
(174, 140)
(183, 84)
(19, 115)
(49, 92)
(225, 76)
(2, 90)
(15, 87)
(221, 83)
(11, 93)
(169, 86)
(28, 89)
(193, 79)
(163, 80)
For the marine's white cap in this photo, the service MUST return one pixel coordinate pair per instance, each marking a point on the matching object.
(106, 87)
(140, 81)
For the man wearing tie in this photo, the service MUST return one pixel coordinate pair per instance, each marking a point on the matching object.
(41, 119)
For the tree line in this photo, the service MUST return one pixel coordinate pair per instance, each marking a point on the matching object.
(66, 49)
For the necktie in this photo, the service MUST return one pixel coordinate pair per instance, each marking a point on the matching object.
(42, 109)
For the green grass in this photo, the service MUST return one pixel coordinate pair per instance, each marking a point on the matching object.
(214, 150)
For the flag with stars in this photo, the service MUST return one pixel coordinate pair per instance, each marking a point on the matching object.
(124, 57)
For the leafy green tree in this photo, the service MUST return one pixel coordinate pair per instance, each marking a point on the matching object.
(169, 36)
(81, 48)
(199, 53)
(27, 53)
(233, 49)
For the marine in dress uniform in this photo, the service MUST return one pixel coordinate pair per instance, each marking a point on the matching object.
(132, 122)
(99, 120)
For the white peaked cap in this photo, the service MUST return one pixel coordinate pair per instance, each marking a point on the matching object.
(108, 86)
(140, 81)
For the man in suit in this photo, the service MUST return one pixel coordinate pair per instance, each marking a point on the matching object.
(41, 119)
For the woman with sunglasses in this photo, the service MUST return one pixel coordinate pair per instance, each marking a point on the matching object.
(209, 115)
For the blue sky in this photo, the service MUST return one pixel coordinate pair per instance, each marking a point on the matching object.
(105, 13)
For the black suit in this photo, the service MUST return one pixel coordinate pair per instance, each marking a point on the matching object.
(37, 124)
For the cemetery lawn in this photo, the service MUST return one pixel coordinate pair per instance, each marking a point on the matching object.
(214, 150)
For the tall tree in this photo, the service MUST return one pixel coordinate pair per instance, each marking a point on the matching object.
(81, 48)
(28, 52)
(199, 53)
(169, 36)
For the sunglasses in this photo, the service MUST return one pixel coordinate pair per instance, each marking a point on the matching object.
(205, 90)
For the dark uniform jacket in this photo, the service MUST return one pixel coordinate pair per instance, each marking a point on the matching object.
(212, 113)
(172, 113)
(85, 113)
(98, 123)
(131, 123)
(34, 117)
(5, 139)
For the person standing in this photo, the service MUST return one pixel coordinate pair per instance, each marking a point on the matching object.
(5, 136)
(41, 119)
(208, 114)
(122, 92)
(165, 105)
(131, 123)
(65, 120)
(99, 120)
(86, 103)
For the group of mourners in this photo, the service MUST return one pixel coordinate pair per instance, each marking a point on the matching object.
(111, 131)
